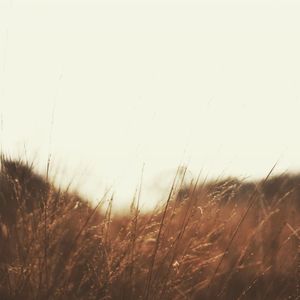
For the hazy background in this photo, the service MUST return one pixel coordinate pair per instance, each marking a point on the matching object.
(105, 86)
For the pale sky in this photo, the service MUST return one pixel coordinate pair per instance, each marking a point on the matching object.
(215, 84)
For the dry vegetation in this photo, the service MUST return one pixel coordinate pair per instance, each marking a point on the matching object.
(218, 240)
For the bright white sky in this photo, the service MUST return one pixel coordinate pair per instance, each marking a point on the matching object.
(212, 83)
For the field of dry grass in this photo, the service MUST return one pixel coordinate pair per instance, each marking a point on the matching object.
(210, 240)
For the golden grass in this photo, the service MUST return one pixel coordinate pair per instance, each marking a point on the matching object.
(216, 240)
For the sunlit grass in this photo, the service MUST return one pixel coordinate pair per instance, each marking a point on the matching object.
(209, 240)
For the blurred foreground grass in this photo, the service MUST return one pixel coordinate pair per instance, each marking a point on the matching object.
(216, 240)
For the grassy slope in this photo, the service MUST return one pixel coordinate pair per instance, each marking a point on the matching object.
(222, 240)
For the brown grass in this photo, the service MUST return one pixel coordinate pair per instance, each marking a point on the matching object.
(217, 240)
